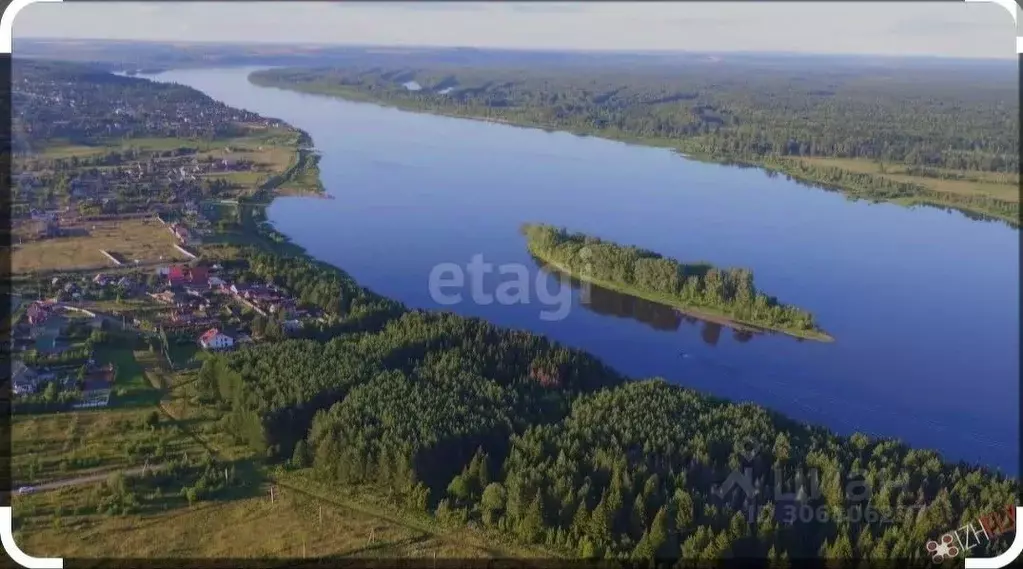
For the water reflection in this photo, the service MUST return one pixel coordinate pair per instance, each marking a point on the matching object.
(607, 302)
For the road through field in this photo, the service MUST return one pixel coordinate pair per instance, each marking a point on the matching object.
(92, 478)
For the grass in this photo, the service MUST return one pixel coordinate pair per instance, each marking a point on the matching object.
(58, 446)
(993, 184)
(182, 354)
(146, 240)
(58, 151)
(64, 149)
(304, 177)
(371, 501)
(294, 525)
(276, 153)
(131, 388)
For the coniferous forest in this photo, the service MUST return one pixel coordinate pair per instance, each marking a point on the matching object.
(481, 425)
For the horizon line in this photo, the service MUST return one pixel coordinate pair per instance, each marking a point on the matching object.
(622, 51)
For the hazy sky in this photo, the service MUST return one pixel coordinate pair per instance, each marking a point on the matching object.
(910, 28)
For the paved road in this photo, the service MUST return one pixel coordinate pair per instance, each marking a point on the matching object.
(91, 478)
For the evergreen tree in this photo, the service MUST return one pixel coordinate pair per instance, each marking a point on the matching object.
(531, 526)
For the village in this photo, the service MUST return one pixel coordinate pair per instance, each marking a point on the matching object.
(146, 212)
(136, 177)
(177, 310)
(109, 226)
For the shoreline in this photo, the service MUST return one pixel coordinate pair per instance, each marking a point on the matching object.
(700, 313)
(676, 146)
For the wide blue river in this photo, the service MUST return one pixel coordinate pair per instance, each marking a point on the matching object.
(924, 303)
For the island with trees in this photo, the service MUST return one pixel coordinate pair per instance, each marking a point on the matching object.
(726, 296)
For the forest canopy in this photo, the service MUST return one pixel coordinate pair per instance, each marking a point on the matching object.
(956, 119)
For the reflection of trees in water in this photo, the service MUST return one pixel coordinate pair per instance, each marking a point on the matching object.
(611, 303)
(658, 316)
(711, 333)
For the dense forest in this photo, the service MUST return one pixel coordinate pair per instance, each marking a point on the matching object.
(511, 432)
(938, 122)
(965, 121)
(633, 270)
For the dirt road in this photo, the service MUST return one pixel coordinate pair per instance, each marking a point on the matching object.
(89, 479)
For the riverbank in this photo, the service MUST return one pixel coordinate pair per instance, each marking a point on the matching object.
(856, 184)
(301, 177)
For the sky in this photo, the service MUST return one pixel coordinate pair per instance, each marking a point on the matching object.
(948, 29)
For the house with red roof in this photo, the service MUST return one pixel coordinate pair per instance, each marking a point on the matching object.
(214, 339)
(181, 275)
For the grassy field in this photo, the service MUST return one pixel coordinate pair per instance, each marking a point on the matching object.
(146, 240)
(63, 445)
(63, 149)
(57, 446)
(996, 185)
(304, 178)
(131, 387)
(294, 525)
(372, 502)
(273, 150)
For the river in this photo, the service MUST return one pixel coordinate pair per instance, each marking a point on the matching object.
(923, 303)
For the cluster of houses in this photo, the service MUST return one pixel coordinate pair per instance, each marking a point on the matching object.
(127, 181)
(98, 287)
(137, 186)
(27, 380)
(40, 327)
(202, 305)
(59, 106)
(199, 299)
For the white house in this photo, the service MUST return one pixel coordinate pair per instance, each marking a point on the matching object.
(213, 339)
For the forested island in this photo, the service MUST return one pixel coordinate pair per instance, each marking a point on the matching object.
(698, 289)
(913, 134)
